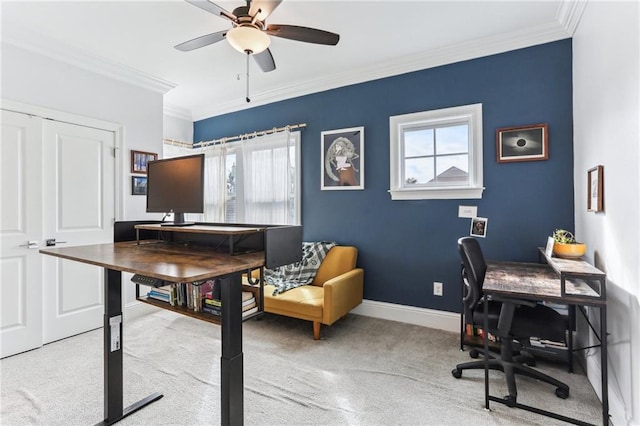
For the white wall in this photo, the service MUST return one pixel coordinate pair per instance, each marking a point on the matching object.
(177, 128)
(38, 80)
(606, 71)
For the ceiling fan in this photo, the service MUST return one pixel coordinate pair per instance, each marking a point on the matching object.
(250, 34)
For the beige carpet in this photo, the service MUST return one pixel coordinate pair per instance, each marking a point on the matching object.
(364, 371)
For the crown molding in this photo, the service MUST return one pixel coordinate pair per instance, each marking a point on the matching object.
(570, 13)
(30, 41)
(437, 57)
(177, 112)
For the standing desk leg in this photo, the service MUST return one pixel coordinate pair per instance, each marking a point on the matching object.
(113, 410)
(604, 380)
(231, 361)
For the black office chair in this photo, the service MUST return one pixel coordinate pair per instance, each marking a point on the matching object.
(511, 320)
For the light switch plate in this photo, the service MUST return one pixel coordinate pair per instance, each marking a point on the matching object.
(468, 211)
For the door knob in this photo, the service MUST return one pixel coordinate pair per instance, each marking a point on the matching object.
(30, 244)
(52, 242)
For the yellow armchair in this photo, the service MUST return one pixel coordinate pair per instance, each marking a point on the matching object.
(336, 289)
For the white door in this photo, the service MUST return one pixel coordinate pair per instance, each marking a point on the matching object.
(78, 209)
(20, 223)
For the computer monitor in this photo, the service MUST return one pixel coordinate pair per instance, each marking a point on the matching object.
(176, 185)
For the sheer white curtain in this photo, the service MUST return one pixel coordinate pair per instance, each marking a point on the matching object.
(214, 180)
(268, 180)
(215, 184)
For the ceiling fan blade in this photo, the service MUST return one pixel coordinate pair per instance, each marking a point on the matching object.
(201, 41)
(213, 8)
(264, 6)
(306, 34)
(265, 61)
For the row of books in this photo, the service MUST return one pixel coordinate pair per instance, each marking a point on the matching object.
(476, 331)
(214, 306)
(203, 296)
(535, 342)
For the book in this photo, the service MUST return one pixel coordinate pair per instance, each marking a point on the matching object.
(211, 310)
(249, 312)
(249, 306)
(212, 302)
(159, 296)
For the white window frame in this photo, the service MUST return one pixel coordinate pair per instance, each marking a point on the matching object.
(470, 115)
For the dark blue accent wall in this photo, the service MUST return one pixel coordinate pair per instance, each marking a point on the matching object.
(406, 245)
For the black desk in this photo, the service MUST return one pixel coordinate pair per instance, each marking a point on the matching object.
(569, 282)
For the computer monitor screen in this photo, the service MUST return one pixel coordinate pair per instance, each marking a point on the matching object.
(176, 185)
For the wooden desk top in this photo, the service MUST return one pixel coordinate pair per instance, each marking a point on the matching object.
(535, 281)
(575, 267)
(169, 262)
(202, 229)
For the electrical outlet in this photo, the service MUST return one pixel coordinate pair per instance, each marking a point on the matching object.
(437, 288)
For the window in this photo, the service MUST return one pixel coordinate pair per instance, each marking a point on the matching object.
(436, 154)
(251, 181)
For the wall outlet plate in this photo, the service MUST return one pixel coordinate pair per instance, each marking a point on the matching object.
(437, 288)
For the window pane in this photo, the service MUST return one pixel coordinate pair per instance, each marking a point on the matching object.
(452, 169)
(230, 173)
(418, 171)
(418, 143)
(452, 139)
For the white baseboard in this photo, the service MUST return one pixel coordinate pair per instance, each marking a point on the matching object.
(442, 320)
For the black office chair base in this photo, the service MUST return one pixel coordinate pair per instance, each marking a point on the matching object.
(512, 400)
(515, 367)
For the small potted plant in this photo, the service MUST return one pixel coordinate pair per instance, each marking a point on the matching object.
(566, 246)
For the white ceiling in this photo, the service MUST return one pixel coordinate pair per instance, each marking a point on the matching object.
(133, 40)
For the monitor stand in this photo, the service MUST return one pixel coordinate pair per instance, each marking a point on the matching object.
(178, 220)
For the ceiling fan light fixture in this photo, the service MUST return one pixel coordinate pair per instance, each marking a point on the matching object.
(248, 39)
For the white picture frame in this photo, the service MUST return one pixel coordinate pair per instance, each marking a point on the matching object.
(548, 250)
(342, 159)
(479, 227)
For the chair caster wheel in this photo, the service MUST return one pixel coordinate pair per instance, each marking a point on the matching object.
(456, 373)
(562, 393)
(473, 353)
(510, 401)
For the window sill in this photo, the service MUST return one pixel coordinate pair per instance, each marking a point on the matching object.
(437, 193)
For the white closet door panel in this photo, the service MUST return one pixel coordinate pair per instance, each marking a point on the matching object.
(79, 209)
(20, 223)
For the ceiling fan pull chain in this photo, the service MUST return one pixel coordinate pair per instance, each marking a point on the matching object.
(248, 100)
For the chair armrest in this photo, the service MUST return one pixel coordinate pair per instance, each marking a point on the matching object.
(341, 294)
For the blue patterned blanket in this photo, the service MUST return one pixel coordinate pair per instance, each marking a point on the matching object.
(300, 273)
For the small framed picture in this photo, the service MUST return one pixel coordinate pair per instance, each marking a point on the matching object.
(138, 185)
(595, 189)
(548, 250)
(523, 143)
(479, 227)
(342, 159)
(139, 160)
